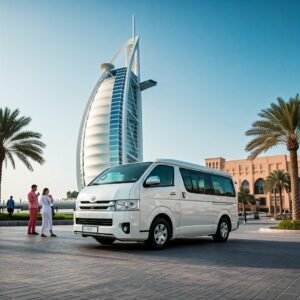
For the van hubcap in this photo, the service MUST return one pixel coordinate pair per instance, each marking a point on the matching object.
(160, 234)
(224, 230)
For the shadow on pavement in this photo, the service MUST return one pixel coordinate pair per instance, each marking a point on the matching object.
(195, 251)
(237, 253)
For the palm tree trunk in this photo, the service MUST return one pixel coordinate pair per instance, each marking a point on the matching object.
(280, 200)
(244, 209)
(295, 185)
(275, 204)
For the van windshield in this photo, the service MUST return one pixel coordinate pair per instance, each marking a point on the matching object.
(121, 174)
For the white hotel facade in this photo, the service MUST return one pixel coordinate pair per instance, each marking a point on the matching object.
(111, 128)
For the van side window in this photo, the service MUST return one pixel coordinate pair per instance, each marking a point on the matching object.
(165, 174)
(206, 183)
(222, 186)
(187, 180)
(196, 182)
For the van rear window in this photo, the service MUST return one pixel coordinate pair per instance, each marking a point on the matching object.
(205, 183)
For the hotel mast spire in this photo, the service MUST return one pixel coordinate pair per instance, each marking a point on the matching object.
(133, 27)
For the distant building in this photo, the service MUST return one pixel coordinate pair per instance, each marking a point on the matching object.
(111, 127)
(251, 174)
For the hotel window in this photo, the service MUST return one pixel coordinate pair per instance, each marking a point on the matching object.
(245, 184)
(259, 187)
(262, 201)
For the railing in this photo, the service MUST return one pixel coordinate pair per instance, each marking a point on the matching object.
(58, 204)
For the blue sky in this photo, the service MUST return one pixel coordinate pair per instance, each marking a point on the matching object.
(217, 64)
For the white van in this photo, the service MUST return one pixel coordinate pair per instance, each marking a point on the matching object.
(155, 202)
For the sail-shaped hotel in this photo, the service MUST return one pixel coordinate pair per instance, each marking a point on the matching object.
(111, 128)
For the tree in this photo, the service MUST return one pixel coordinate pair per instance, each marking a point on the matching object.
(279, 125)
(245, 198)
(72, 195)
(278, 180)
(15, 142)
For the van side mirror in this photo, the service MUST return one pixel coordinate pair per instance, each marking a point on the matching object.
(152, 181)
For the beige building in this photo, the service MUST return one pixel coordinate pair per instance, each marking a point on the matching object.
(252, 173)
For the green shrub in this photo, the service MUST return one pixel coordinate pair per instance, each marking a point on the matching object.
(288, 224)
(25, 217)
(63, 217)
(283, 217)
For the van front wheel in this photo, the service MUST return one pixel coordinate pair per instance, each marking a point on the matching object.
(223, 230)
(159, 234)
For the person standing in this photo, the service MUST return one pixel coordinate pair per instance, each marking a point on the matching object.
(33, 205)
(46, 213)
(10, 205)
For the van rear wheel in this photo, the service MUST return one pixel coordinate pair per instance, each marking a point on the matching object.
(104, 241)
(223, 230)
(159, 234)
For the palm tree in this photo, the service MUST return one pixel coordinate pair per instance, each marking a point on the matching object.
(278, 180)
(274, 191)
(245, 198)
(16, 142)
(279, 125)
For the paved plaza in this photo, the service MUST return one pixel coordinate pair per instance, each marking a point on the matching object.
(251, 265)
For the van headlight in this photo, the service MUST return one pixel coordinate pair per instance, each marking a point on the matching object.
(127, 205)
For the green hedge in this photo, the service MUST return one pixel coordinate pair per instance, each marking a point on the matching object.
(283, 218)
(25, 217)
(288, 224)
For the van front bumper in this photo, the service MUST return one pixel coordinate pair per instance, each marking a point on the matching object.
(109, 225)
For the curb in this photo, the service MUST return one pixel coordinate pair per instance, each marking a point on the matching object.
(38, 223)
(270, 230)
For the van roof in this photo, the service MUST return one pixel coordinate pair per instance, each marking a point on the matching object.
(191, 166)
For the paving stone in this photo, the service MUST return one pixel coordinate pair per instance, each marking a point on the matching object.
(251, 265)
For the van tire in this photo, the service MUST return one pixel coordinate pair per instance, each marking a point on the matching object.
(104, 241)
(159, 234)
(223, 230)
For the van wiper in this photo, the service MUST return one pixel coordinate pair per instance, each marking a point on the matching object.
(112, 182)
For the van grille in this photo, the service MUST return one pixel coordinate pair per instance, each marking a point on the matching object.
(98, 205)
(100, 222)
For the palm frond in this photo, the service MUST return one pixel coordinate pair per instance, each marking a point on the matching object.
(277, 179)
(279, 124)
(24, 160)
(25, 135)
(16, 142)
(10, 158)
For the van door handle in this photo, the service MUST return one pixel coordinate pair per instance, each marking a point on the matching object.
(173, 193)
